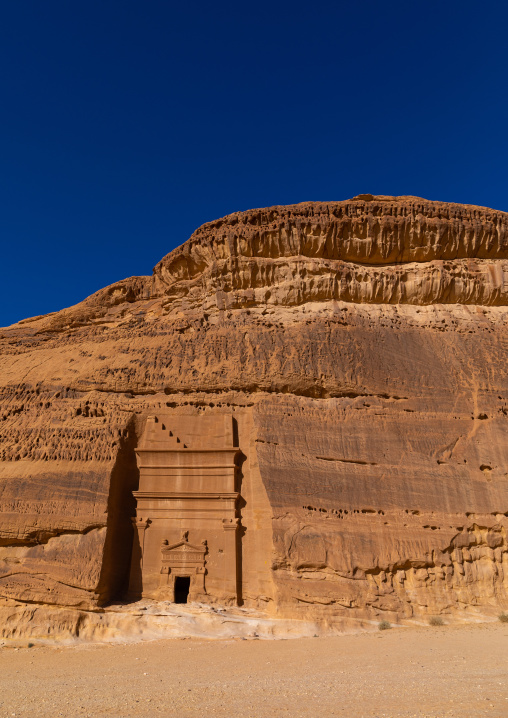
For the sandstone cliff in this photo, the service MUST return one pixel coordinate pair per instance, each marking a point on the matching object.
(361, 347)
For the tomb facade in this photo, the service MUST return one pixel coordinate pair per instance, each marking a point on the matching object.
(186, 537)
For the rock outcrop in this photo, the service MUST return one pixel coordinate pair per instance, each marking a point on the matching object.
(360, 347)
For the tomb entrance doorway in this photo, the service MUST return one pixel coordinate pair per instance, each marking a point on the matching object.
(182, 587)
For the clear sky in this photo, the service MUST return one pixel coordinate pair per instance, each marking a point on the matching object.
(125, 124)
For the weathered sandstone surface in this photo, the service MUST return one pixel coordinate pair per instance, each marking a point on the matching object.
(359, 346)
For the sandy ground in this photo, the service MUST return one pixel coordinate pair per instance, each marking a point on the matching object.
(433, 671)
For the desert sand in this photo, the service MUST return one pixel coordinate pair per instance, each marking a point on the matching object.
(456, 671)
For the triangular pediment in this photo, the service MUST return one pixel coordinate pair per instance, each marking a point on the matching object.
(184, 546)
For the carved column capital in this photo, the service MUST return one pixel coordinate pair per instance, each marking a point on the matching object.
(140, 523)
(230, 524)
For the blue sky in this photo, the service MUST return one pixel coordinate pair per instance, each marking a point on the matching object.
(124, 125)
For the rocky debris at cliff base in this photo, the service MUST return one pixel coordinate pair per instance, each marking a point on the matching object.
(147, 620)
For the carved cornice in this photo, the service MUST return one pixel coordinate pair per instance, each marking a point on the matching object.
(229, 450)
(184, 495)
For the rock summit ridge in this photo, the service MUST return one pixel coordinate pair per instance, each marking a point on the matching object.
(370, 249)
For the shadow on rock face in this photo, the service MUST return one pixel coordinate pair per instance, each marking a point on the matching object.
(116, 563)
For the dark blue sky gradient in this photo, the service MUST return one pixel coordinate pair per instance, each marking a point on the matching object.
(124, 125)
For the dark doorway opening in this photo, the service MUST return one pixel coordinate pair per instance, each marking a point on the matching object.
(182, 586)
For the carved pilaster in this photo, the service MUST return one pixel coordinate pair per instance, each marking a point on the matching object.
(230, 527)
(141, 526)
(138, 545)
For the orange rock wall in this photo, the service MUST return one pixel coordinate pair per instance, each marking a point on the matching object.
(361, 345)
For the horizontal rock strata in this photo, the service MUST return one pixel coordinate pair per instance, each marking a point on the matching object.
(361, 347)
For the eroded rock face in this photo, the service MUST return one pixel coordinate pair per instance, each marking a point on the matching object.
(361, 348)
